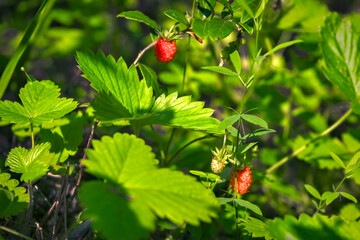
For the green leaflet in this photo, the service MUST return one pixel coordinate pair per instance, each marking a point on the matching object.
(41, 103)
(139, 17)
(13, 199)
(341, 46)
(139, 190)
(32, 163)
(123, 97)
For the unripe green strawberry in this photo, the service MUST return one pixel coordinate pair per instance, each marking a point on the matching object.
(217, 166)
(243, 182)
(165, 50)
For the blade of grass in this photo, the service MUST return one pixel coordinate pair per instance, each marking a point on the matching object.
(28, 37)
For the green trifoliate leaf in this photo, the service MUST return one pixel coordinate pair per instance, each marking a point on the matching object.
(341, 50)
(41, 103)
(123, 97)
(139, 191)
(13, 199)
(32, 164)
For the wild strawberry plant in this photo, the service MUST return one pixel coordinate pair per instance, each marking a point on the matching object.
(188, 140)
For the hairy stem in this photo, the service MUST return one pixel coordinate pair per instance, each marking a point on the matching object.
(141, 53)
(303, 147)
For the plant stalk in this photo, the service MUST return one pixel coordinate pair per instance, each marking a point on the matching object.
(303, 147)
(15, 233)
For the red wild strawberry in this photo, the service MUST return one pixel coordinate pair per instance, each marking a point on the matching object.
(165, 50)
(243, 182)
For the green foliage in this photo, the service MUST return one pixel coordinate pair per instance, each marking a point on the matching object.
(177, 16)
(256, 227)
(340, 46)
(32, 163)
(316, 227)
(218, 28)
(139, 190)
(66, 138)
(41, 103)
(242, 203)
(139, 17)
(122, 97)
(13, 199)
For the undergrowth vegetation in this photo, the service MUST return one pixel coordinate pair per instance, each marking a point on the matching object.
(209, 119)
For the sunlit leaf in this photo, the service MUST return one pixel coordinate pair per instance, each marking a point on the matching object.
(32, 163)
(41, 103)
(142, 190)
(123, 97)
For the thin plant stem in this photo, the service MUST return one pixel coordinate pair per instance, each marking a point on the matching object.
(81, 163)
(342, 181)
(188, 144)
(57, 208)
(141, 53)
(14, 232)
(161, 147)
(65, 206)
(32, 135)
(29, 213)
(303, 147)
(85, 155)
(166, 153)
(185, 67)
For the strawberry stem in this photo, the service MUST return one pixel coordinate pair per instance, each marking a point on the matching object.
(142, 53)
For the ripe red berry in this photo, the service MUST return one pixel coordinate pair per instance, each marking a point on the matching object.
(165, 50)
(243, 182)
